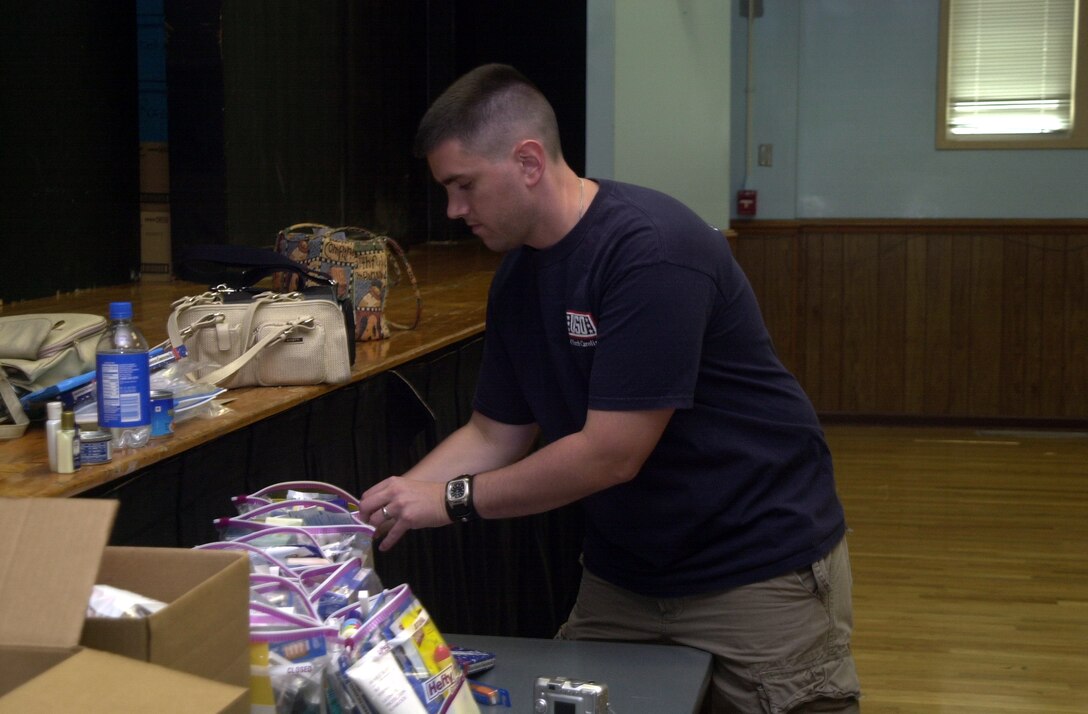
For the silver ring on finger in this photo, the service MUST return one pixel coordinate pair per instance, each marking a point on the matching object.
(385, 512)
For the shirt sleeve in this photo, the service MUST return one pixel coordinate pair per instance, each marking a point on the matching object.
(498, 395)
(651, 328)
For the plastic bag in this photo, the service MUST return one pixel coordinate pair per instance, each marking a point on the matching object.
(302, 546)
(312, 490)
(284, 594)
(302, 512)
(259, 560)
(398, 663)
(108, 601)
(289, 669)
(349, 584)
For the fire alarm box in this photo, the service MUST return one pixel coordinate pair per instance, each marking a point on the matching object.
(746, 203)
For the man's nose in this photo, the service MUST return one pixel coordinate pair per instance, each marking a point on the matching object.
(455, 208)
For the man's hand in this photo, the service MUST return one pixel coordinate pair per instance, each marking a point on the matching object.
(396, 505)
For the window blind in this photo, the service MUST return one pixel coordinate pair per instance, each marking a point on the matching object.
(1011, 67)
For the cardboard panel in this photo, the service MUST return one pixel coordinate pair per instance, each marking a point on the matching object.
(50, 558)
(18, 665)
(92, 681)
(204, 630)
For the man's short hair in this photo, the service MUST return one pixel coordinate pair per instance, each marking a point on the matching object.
(488, 110)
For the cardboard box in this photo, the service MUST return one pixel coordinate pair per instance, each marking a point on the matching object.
(50, 561)
(203, 630)
(156, 261)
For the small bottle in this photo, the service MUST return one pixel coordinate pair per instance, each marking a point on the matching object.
(68, 444)
(52, 423)
(123, 375)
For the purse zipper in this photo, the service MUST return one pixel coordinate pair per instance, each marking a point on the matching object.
(59, 347)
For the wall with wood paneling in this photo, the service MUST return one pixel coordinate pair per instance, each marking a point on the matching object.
(935, 319)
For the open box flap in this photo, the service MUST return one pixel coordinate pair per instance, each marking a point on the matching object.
(48, 564)
(99, 683)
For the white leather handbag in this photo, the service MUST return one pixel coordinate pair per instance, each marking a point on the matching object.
(235, 338)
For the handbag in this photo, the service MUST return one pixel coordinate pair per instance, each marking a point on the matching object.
(268, 339)
(39, 351)
(247, 336)
(364, 264)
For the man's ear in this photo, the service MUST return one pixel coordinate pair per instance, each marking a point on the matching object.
(530, 157)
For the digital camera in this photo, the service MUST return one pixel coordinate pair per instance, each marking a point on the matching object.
(560, 695)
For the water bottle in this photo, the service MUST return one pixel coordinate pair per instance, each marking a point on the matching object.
(123, 380)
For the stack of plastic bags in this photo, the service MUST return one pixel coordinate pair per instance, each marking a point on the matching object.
(325, 636)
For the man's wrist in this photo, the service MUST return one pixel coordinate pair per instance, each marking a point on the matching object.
(460, 499)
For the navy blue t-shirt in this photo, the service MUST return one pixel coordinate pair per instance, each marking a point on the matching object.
(642, 306)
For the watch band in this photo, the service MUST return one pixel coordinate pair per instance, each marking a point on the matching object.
(460, 505)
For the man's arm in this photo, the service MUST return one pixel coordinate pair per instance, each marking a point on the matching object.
(609, 450)
(482, 444)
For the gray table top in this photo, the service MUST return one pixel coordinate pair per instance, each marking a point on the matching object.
(641, 678)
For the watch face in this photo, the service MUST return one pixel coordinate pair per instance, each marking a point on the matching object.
(456, 490)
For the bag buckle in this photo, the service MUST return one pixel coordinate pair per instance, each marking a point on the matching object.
(206, 321)
(305, 323)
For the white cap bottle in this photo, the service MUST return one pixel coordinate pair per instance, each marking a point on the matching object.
(52, 423)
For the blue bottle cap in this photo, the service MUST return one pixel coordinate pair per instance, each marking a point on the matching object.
(120, 311)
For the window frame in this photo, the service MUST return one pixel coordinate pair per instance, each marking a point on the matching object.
(1076, 139)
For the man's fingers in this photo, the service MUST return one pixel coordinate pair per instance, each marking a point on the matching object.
(390, 539)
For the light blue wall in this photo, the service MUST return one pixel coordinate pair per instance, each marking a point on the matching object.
(845, 90)
(658, 98)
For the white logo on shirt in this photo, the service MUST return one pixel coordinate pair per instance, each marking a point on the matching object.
(581, 328)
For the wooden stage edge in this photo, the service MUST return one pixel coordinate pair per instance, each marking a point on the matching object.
(453, 281)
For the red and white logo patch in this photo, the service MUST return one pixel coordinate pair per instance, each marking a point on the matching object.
(581, 326)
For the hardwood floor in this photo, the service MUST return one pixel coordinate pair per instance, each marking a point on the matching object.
(970, 558)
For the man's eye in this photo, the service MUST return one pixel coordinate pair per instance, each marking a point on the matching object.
(465, 186)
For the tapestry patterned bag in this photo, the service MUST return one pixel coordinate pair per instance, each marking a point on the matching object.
(365, 266)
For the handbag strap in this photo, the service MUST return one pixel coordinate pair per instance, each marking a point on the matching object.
(240, 266)
(176, 335)
(15, 409)
(398, 252)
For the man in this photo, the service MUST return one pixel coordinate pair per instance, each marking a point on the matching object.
(620, 328)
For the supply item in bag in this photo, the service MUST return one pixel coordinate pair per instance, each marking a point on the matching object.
(68, 451)
(52, 423)
(303, 512)
(350, 583)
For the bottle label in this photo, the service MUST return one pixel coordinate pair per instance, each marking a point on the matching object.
(124, 390)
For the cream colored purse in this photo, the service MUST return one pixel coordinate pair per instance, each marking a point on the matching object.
(263, 340)
(38, 351)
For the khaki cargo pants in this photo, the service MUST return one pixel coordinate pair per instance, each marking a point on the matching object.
(781, 645)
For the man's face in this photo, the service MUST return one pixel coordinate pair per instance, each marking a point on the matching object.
(487, 194)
